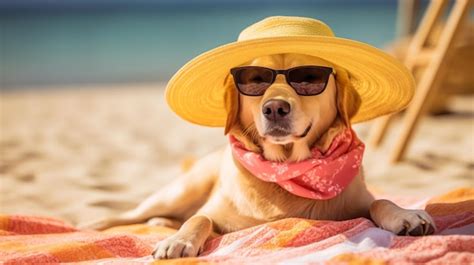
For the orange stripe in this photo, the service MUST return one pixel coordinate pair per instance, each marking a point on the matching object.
(79, 252)
(458, 195)
(65, 252)
(4, 222)
(12, 246)
(354, 259)
(454, 202)
(286, 236)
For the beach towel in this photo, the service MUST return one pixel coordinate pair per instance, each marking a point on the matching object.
(39, 240)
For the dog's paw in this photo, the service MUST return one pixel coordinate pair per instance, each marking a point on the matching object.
(175, 247)
(409, 223)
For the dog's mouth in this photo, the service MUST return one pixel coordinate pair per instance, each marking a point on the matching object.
(277, 131)
(306, 131)
(284, 135)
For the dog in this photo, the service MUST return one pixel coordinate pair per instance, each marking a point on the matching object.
(219, 195)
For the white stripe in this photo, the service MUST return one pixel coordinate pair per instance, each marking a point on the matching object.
(368, 239)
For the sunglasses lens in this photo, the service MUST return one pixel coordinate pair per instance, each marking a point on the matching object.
(309, 81)
(253, 81)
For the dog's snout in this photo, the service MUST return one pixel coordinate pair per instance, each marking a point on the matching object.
(276, 109)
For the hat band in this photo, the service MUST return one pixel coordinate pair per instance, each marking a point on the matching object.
(285, 30)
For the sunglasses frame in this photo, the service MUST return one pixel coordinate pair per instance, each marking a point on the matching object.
(286, 72)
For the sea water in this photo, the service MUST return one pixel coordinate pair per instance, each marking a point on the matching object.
(57, 46)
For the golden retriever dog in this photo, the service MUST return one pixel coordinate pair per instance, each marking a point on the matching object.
(217, 194)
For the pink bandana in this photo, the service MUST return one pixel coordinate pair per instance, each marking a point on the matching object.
(321, 177)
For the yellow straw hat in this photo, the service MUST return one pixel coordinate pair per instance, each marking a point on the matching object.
(196, 91)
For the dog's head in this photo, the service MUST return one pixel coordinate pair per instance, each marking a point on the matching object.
(282, 124)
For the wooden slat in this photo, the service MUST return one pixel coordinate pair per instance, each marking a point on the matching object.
(432, 77)
(432, 15)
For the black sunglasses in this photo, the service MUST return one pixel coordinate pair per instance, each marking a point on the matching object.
(306, 80)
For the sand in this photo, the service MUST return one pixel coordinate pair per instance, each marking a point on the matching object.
(80, 153)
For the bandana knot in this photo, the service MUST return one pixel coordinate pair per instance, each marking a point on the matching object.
(322, 176)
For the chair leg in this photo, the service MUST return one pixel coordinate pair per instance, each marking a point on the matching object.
(431, 16)
(432, 77)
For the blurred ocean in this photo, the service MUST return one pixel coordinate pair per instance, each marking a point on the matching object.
(43, 45)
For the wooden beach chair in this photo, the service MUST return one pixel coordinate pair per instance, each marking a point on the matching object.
(434, 60)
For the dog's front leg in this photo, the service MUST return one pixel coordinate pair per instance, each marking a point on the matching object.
(188, 241)
(391, 217)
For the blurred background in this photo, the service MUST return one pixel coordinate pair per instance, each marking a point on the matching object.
(85, 131)
(104, 41)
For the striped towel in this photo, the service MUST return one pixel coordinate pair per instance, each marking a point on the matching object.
(36, 240)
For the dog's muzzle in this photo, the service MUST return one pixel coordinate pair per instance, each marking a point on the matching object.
(277, 117)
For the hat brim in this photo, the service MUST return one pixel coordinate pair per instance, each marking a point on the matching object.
(196, 91)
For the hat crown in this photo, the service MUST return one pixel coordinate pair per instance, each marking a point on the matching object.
(283, 26)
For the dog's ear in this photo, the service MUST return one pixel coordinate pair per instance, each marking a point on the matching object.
(348, 100)
(231, 99)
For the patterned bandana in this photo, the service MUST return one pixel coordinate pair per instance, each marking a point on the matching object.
(320, 177)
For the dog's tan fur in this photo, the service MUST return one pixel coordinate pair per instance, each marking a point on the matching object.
(218, 194)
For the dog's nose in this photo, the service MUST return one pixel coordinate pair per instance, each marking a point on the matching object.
(276, 109)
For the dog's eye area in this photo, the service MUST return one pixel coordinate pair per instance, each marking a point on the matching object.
(254, 77)
(302, 77)
(310, 78)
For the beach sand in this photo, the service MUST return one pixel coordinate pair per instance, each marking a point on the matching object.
(81, 153)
